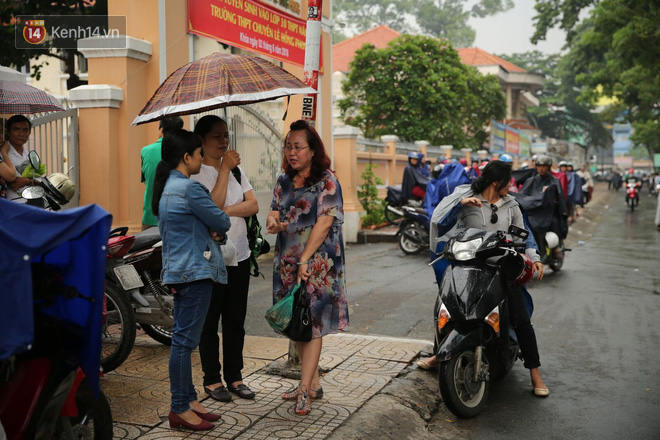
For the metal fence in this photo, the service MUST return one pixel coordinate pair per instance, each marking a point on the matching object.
(55, 137)
(257, 139)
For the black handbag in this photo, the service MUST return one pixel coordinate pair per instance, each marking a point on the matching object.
(300, 326)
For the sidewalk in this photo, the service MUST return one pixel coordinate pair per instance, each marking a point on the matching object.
(357, 368)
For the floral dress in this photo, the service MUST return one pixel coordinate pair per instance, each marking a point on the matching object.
(326, 286)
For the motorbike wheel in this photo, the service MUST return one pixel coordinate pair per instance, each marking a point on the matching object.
(633, 202)
(119, 330)
(392, 218)
(408, 246)
(158, 333)
(463, 396)
(94, 419)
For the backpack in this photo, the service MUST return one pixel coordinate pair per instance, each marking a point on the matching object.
(258, 246)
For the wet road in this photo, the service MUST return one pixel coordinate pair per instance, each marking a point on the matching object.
(598, 327)
(597, 323)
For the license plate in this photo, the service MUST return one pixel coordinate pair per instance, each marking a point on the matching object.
(128, 277)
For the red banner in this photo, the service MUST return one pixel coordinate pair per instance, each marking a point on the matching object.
(249, 25)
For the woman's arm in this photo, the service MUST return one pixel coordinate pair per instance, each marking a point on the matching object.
(202, 206)
(273, 224)
(7, 170)
(219, 191)
(246, 208)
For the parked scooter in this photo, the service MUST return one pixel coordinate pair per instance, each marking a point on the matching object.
(134, 294)
(413, 230)
(50, 192)
(395, 204)
(632, 193)
(50, 319)
(474, 340)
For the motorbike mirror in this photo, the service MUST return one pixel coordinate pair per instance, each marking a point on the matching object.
(35, 160)
(518, 232)
(32, 192)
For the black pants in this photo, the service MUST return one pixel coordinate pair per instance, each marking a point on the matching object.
(229, 301)
(519, 318)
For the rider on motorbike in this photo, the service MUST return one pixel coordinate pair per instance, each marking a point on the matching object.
(414, 182)
(486, 205)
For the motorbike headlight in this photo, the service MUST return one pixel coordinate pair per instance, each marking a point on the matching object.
(466, 250)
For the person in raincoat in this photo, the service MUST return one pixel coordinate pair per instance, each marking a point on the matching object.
(486, 204)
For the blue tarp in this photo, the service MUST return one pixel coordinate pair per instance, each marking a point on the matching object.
(73, 240)
(452, 175)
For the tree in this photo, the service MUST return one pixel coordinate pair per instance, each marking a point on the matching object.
(448, 18)
(615, 54)
(10, 9)
(560, 114)
(439, 18)
(418, 88)
(565, 13)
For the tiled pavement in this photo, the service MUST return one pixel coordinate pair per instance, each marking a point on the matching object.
(357, 368)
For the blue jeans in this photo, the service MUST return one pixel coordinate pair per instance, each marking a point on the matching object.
(191, 301)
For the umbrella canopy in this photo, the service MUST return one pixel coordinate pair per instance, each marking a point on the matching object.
(16, 97)
(220, 80)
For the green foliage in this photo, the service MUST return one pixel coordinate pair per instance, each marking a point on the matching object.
(368, 197)
(565, 13)
(9, 9)
(362, 15)
(418, 88)
(561, 114)
(615, 53)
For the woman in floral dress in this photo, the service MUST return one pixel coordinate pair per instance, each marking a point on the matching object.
(307, 214)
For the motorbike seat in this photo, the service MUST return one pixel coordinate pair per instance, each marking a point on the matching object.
(146, 239)
(420, 210)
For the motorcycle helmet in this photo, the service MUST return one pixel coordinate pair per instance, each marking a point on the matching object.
(562, 163)
(413, 155)
(544, 160)
(527, 270)
(61, 186)
(462, 161)
(506, 158)
(552, 239)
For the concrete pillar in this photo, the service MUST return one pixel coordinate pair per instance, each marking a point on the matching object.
(390, 149)
(99, 156)
(422, 146)
(447, 149)
(466, 152)
(345, 142)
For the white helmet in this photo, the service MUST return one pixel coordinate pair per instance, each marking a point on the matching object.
(62, 186)
(552, 239)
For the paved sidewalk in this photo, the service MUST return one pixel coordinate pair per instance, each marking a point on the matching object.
(357, 366)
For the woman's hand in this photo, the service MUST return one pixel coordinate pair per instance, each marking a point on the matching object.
(471, 201)
(304, 272)
(215, 236)
(274, 226)
(231, 160)
(538, 268)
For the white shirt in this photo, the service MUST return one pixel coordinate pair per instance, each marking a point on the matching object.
(17, 159)
(207, 176)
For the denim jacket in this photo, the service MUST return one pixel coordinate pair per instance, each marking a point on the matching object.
(186, 212)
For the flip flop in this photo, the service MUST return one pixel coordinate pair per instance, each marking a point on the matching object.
(424, 365)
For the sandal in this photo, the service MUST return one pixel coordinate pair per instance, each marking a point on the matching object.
(303, 406)
(292, 394)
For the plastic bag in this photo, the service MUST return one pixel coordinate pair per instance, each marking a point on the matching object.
(279, 315)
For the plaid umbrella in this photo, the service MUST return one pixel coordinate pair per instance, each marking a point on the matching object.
(16, 97)
(219, 80)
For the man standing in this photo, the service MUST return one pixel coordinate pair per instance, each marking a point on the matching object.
(18, 132)
(151, 155)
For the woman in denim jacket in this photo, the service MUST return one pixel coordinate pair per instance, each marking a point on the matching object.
(192, 228)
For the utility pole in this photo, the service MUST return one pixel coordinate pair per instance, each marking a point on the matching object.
(312, 58)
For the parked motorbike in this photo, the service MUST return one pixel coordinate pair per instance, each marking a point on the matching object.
(395, 203)
(413, 230)
(474, 340)
(134, 294)
(50, 313)
(50, 192)
(632, 193)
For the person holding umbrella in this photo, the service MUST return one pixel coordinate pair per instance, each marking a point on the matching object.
(306, 213)
(238, 200)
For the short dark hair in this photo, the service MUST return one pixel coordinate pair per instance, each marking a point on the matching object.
(169, 124)
(18, 118)
(206, 123)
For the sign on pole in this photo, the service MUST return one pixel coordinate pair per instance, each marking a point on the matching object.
(312, 58)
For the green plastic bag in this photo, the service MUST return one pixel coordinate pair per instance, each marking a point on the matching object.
(31, 172)
(279, 315)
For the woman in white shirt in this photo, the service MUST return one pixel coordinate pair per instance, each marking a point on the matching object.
(229, 300)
